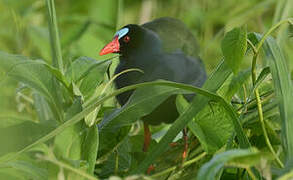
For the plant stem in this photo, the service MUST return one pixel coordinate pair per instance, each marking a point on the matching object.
(256, 92)
(261, 119)
(54, 36)
(252, 46)
(187, 163)
(260, 113)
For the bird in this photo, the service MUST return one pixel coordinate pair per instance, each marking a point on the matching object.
(163, 49)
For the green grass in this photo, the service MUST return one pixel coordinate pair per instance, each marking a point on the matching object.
(59, 117)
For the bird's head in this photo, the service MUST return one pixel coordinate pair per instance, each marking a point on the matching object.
(131, 38)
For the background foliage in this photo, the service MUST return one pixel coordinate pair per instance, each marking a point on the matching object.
(54, 90)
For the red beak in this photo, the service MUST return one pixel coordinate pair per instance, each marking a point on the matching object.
(112, 47)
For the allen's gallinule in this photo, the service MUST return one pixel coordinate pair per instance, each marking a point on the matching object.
(163, 49)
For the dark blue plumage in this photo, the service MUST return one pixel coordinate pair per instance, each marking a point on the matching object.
(160, 53)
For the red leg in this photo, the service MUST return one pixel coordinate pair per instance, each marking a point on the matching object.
(185, 137)
(147, 137)
(146, 144)
(150, 169)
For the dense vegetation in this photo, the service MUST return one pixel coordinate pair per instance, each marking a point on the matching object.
(59, 118)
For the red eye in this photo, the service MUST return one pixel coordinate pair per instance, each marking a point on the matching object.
(126, 39)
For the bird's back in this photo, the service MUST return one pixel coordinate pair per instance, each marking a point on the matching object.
(175, 36)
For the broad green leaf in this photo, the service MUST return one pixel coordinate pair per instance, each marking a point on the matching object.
(30, 169)
(210, 169)
(78, 142)
(91, 81)
(58, 75)
(90, 148)
(81, 67)
(70, 168)
(20, 135)
(43, 148)
(88, 73)
(37, 75)
(109, 140)
(234, 46)
(212, 126)
(12, 119)
(118, 161)
(42, 108)
(68, 144)
(231, 87)
(90, 119)
(13, 174)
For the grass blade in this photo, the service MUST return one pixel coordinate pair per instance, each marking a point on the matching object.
(283, 88)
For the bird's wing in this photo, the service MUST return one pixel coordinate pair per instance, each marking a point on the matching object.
(177, 67)
(175, 36)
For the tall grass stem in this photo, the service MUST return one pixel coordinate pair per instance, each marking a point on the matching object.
(54, 36)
